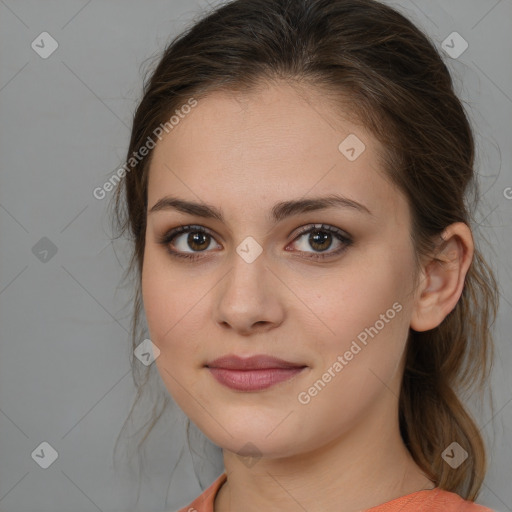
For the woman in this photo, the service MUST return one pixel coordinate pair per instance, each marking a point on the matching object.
(296, 192)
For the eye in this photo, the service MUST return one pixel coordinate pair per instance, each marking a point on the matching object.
(199, 239)
(321, 239)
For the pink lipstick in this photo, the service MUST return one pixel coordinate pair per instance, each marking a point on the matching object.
(254, 373)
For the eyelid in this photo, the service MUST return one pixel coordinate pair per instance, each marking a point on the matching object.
(322, 227)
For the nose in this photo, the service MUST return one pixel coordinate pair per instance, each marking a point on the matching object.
(250, 297)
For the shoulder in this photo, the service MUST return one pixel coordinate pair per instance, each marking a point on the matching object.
(431, 500)
(204, 502)
(447, 501)
(453, 502)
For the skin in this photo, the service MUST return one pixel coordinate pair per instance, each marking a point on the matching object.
(243, 153)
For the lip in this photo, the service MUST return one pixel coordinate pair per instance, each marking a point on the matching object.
(252, 373)
(257, 362)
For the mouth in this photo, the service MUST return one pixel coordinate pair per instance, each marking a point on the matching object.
(254, 373)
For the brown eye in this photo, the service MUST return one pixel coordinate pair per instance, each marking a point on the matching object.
(198, 240)
(320, 238)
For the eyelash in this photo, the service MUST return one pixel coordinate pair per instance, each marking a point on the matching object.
(168, 237)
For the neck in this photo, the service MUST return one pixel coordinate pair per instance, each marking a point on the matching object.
(365, 467)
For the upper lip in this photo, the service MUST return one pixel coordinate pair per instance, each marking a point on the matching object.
(258, 362)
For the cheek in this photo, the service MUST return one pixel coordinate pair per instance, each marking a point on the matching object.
(355, 297)
(367, 311)
(171, 306)
(168, 305)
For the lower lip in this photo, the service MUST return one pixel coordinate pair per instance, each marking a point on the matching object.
(253, 380)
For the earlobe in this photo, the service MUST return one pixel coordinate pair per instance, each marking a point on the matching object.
(443, 278)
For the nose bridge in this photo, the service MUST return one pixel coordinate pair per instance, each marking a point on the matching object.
(248, 295)
(249, 270)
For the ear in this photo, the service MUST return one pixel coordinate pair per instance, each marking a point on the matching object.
(443, 278)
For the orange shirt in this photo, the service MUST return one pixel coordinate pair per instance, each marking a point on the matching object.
(431, 500)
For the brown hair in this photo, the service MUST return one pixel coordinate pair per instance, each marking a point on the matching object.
(403, 92)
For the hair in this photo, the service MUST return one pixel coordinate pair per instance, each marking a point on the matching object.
(401, 90)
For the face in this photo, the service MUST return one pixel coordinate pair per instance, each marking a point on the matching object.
(327, 288)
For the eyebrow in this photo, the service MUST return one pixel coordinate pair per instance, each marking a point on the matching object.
(279, 211)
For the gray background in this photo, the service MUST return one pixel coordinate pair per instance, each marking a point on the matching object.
(64, 366)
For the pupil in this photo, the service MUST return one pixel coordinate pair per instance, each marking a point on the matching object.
(195, 239)
(319, 237)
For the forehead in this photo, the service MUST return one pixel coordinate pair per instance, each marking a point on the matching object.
(275, 142)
